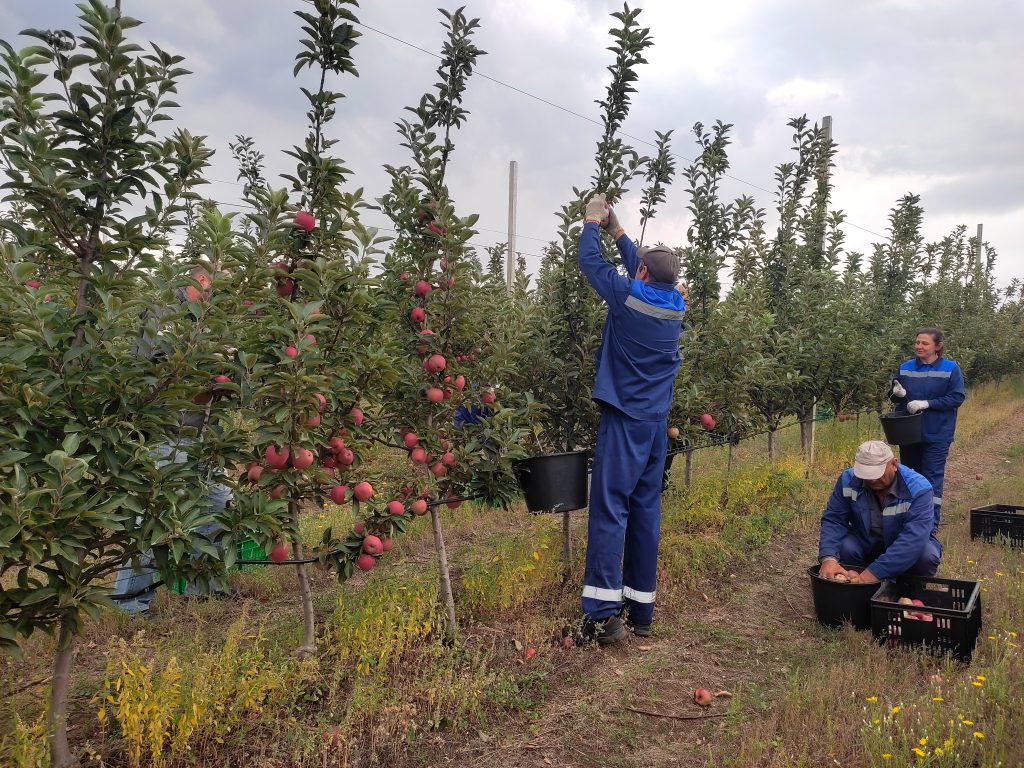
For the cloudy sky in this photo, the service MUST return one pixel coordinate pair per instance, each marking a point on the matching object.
(926, 96)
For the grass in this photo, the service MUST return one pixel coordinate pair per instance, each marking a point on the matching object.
(215, 682)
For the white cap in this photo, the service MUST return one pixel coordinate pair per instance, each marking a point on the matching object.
(871, 460)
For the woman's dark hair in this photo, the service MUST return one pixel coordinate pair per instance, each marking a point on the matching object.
(937, 336)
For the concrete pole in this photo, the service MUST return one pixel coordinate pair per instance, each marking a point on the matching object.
(826, 126)
(977, 245)
(510, 257)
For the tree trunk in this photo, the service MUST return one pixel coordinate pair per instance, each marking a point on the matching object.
(57, 723)
(451, 623)
(308, 647)
(567, 544)
(771, 445)
(688, 469)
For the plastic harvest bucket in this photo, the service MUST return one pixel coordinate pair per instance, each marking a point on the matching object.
(836, 602)
(555, 482)
(901, 428)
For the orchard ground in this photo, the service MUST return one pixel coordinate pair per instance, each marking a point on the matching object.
(215, 682)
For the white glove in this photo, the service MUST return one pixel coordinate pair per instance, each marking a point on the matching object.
(597, 208)
(917, 405)
(898, 390)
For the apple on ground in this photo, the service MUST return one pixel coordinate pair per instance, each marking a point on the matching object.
(702, 697)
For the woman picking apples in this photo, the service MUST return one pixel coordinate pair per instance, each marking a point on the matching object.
(932, 384)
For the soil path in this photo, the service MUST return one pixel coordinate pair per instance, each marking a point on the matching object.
(742, 632)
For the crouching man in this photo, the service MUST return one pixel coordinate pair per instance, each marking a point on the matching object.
(881, 517)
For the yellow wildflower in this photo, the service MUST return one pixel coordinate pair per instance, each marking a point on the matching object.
(976, 684)
(1000, 573)
(1012, 645)
(980, 677)
(970, 562)
(967, 722)
(948, 744)
(920, 752)
(896, 709)
(939, 752)
(872, 699)
(922, 741)
(886, 756)
(937, 698)
(991, 637)
(979, 735)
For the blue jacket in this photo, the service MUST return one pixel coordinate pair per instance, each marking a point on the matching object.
(942, 385)
(639, 354)
(908, 519)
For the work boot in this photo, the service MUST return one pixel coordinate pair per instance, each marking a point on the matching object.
(640, 630)
(606, 631)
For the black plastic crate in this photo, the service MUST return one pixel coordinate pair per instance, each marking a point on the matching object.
(995, 520)
(948, 622)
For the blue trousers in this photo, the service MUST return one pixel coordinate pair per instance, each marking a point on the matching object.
(855, 551)
(624, 526)
(930, 460)
(130, 580)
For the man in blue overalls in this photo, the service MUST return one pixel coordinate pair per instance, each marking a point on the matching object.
(880, 518)
(636, 368)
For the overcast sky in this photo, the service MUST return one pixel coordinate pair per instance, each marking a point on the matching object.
(926, 96)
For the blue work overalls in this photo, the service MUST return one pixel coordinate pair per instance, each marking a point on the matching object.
(636, 369)
(942, 384)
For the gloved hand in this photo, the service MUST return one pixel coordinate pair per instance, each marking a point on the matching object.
(612, 225)
(897, 389)
(917, 405)
(597, 208)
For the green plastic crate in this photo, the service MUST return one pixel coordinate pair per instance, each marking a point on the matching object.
(249, 550)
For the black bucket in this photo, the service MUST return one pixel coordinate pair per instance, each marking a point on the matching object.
(902, 428)
(836, 602)
(556, 482)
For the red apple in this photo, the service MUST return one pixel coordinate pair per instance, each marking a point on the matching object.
(460, 382)
(448, 459)
(673, 433)
(304, 220)
(357, 416)
(276, 458)
(372, 545)
(403, 276)
(312, 421)
(321, 400)
(285, 288)
(702, 697)
(410, 440)
(488, 397)
(418, 315)
(254, 472)
(359, 528)
(454, 504)
(291, 352)
(365, 562)
(346, 457)
(277, 492)
(337, 444)
(435, 395)
(338, 494)
(436, 363)
(418, 456)
(423, 288)
(707, 421)
(530, 653)
(330, 462)
(437, 229)
(362, 491)
(439, 469)
(388, 544)
(419, 507)
(302, 458)
(33, 284)
(395, 507)
(279, 552)
(222, 379)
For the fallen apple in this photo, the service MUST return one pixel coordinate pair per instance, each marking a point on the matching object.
(702, 697)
